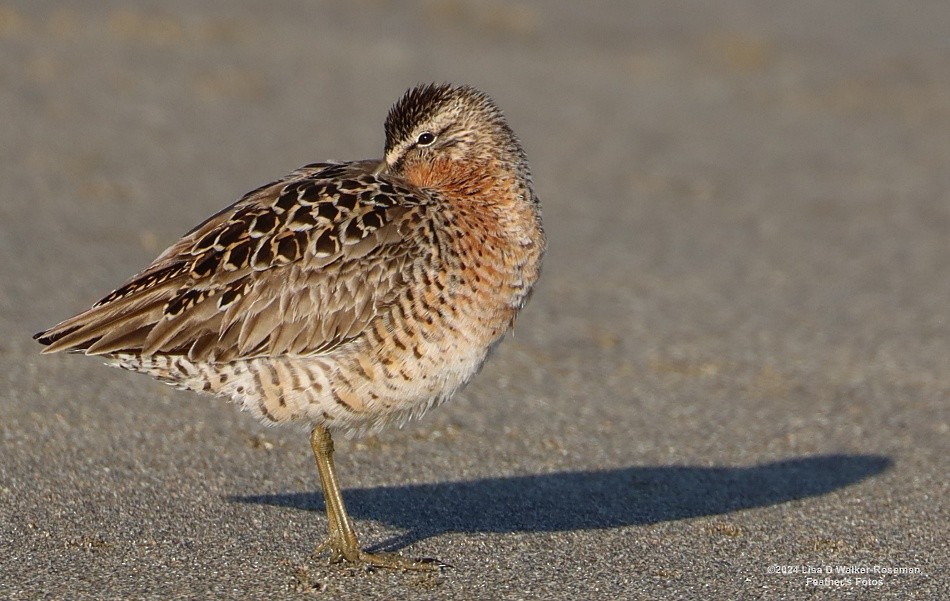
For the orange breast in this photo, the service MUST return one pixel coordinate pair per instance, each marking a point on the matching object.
(453, 178)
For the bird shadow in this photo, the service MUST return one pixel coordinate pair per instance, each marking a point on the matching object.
(590, 499)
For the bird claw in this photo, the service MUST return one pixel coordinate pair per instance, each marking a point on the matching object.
(370, 561)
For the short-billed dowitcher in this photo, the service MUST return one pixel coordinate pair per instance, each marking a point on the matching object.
(345, 295)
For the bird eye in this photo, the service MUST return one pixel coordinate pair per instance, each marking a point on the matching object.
(425, 138)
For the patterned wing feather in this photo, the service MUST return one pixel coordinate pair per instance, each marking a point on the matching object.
(295, 267)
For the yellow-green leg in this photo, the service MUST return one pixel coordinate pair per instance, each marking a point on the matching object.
(342, 542)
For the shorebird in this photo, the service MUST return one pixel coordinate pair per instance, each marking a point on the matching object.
(344, 296)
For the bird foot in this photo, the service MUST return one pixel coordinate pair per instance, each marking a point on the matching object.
(357, 557)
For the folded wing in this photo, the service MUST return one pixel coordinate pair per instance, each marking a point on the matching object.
(297, 267)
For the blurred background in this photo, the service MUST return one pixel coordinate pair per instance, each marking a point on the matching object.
(737, 355)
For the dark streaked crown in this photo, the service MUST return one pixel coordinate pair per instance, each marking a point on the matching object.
(423, 102)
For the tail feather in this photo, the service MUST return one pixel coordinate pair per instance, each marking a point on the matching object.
(118, 320)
